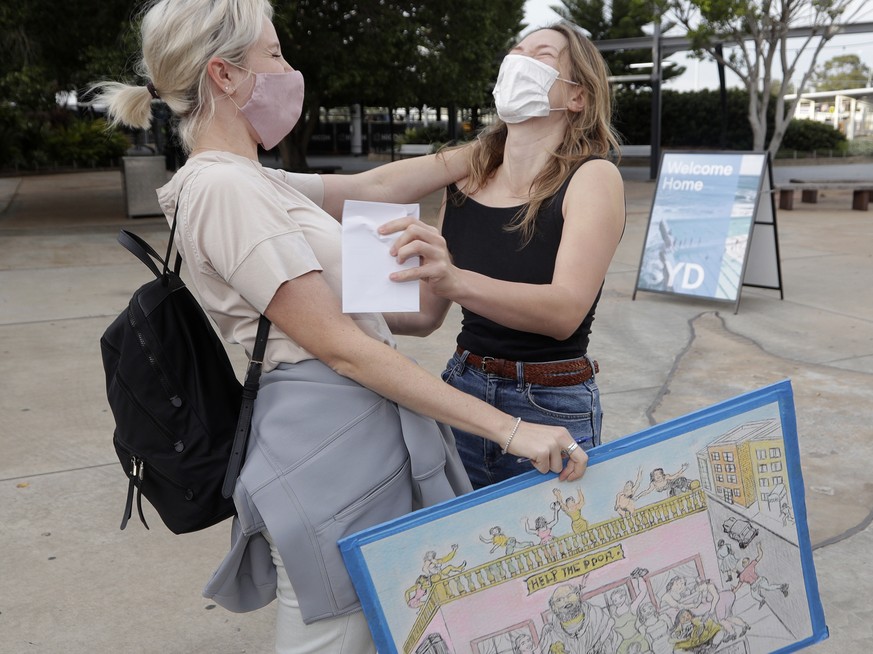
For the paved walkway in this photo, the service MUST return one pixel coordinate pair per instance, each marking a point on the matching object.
(73, 583)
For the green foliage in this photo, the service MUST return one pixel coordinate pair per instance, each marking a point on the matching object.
(862, 146)
(32, 140)
(429, 134)
(29, 88)
(85, 142)
(460, 46)
(392, 53)
(624, 19)
(755, 34)
(12, 128)
(842, 72)
(349, 52)
(692, 120)
(689, 120)
(811, 135)
(397, 52)
(60, 36)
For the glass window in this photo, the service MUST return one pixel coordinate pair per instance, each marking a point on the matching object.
(764, 482)
(728, 456)
(776, 466)
(716, 456)
(775, 453)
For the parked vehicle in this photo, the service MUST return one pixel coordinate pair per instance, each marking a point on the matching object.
(740, 530)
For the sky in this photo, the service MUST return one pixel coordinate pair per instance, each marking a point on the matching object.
(704, 74)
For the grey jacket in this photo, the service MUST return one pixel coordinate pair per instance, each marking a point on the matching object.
(326, 458)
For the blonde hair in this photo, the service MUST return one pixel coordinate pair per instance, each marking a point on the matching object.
(589, 132)
(179, 37)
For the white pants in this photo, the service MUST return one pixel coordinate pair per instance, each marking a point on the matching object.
(348, 634)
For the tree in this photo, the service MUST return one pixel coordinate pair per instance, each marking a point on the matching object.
(461, 45)
(61, 38)
(350, 52)
(757, 33)
(49, 47)
(625, 19)
(842, 72)
(391, 53)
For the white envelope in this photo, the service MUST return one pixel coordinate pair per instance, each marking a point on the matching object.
(367, 264)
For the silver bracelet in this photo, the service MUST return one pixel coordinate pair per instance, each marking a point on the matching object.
(511, 436)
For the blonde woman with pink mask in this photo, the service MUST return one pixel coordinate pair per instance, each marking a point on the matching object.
(347, 432)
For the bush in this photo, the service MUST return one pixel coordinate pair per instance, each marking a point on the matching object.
(85, 142)
(11, 128)
(429, 134)
(33, 140)
(811, 135)
(689, 119)
(862, 146)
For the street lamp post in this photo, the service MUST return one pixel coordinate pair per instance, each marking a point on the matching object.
(655, 153)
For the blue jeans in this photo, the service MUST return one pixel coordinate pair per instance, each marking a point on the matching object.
(575, 407)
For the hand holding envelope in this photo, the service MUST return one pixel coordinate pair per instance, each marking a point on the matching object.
(367, 263)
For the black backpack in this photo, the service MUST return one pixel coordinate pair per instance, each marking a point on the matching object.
(182, 418)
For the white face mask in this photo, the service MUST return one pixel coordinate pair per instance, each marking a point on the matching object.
(522, 89)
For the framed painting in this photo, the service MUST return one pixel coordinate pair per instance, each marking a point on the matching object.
(689, 536)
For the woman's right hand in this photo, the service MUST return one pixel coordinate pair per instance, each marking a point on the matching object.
(415, 238)
(546, 448)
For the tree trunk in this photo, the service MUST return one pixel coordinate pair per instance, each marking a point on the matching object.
(293, 152)
(452, 125)
(293, 147)
(756, 121)
(784, 116)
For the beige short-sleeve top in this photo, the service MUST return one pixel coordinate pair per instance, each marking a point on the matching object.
(245, 229)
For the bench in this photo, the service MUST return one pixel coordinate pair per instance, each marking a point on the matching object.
(636, 150)
(414, 149)
(861, 192)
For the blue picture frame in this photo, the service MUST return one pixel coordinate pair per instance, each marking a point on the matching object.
(468, 575)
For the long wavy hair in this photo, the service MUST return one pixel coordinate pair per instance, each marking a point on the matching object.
(588, 132)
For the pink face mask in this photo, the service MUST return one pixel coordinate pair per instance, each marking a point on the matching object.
(275, 106)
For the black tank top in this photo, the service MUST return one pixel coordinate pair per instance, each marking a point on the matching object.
(477, 241)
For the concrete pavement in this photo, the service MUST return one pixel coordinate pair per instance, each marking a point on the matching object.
(71, 582)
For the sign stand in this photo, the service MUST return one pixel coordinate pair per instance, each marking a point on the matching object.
(763, 269)
(709, 231)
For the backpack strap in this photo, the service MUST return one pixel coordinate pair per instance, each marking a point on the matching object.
(244, 424)
(252, 381)
(141, 250)
(178, 264)
(147, 254)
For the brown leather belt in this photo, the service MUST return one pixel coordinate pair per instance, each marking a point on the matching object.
(553, 373)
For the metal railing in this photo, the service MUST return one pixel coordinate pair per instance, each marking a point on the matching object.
(561, 549)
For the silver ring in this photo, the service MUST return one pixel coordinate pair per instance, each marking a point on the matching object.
(572, 447)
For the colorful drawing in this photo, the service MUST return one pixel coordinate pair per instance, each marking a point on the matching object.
(711, 556)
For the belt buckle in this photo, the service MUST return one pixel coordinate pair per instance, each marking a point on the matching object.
(484, 363)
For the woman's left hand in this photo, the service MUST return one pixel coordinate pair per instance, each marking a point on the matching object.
(419, 239)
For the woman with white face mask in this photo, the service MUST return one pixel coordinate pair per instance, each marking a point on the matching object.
(345, 432)
(525, 243)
